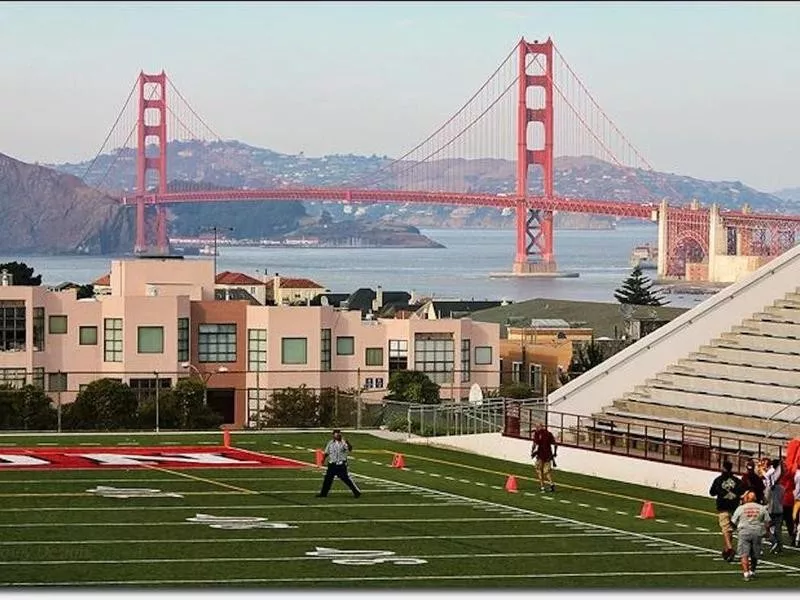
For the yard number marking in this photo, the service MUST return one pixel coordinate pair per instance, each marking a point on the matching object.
(362, 557)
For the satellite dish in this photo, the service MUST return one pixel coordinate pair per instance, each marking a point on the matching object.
(475, 395)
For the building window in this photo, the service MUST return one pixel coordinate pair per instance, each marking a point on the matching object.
(374, 357)
(294, 351)
(466, 355)
(434, 355)
(256, 349)
(12, 378)
(183, 339)
(325, 350)
(216, 342)
(57, 324)
(38, 377)
(145, 389)
(38, 329)
(87, 335)
(345, 346)
(150, 339)
(536, 377)
(516, 372)
(483, 355)
(112, 340)
(257, 406)
(398, 355)
(12, 325)
(57, 382)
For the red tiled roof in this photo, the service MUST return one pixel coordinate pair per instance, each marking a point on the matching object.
(104, 280)
(296, 283)
(231, 278)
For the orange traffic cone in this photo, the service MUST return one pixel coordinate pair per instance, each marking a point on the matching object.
(398, 462)
(319, 456)
(226, 437)
(648, 512)
(511, 484)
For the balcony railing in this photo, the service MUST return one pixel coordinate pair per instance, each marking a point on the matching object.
(688, 445)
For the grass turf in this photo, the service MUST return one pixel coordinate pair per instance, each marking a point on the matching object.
(443, 522)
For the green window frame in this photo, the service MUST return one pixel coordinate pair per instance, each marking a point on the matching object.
(87, 335)
(294, 351)
(373, 357)
(57, 324)
(345, 345)
(150, 339)
(483, 355)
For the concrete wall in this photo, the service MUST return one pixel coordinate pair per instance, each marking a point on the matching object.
(575, 460)
(610, 380)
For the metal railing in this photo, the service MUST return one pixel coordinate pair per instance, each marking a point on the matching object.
(688, 445)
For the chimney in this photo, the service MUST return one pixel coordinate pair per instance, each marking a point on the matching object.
(276, 289)
(6, 278)
(413, 299)
(379, 298)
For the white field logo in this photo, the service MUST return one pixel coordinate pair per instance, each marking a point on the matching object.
(363, 557)
(237, 522)
(114, 492)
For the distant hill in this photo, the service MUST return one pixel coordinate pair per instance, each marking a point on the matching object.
(790, 194)
(43, 211)
(237, 165)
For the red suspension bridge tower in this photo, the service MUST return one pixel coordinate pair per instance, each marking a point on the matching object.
(534, 252)
(151, 126)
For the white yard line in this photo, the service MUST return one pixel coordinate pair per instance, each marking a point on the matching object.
(98, 524)
(267, 559)
(350, 504)
(339, 579)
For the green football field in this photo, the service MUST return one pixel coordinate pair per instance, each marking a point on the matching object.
(444, 521)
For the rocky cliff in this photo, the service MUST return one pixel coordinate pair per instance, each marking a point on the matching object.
(43, 211)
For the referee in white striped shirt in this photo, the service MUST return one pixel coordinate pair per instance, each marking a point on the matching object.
(336, 453)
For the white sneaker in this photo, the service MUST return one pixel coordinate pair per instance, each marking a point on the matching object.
(747, 576)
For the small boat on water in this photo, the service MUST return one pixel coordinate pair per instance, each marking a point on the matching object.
(645, 257)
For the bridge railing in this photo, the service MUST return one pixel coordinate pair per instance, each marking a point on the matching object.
(687, 444)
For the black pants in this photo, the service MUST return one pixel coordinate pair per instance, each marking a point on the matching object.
(340, 471)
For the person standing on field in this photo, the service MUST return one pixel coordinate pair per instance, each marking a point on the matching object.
(751, 520)
(543, 451)
(727, 489)
(336, 452)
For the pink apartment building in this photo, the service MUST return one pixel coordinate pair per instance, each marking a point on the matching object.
(160, 322)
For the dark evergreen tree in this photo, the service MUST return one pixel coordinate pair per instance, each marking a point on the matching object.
(21, 273)
(637, 289)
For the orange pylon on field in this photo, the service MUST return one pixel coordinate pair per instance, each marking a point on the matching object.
(226, 437)
(648, 512)
(319, 457)
(398, 462)
(511, 484)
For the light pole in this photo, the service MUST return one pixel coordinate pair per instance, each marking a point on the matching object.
(204, 376)
(157, 386)
(216, 229)
(59, 403)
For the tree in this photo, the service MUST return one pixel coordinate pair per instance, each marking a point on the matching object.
(517, 390)
(586, 357)
(636, 289)
(104, 404)
(295, 407)
(26, 408)
(412, 386)
(180, 407)
(21, 273)
(85, 291)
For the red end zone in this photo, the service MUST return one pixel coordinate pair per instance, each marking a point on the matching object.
(133, 457)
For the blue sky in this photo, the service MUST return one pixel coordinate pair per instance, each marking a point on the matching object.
(710, 90)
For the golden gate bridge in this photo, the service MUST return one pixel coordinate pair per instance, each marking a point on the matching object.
(532, 121)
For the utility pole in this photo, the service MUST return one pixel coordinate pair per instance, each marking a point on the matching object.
(216, 229)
